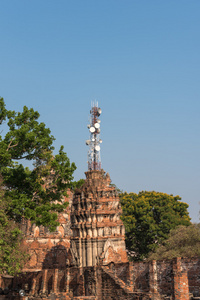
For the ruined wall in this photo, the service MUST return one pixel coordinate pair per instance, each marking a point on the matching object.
(192, 265)
(177, 279)
(85, 258)
(49, 249)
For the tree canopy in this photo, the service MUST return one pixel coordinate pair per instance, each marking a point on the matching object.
(12, 253)
(148, 218)
(183, 241)
(35, 193)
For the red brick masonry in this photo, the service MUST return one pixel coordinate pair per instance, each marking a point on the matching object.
(178, 279)
(85, 258)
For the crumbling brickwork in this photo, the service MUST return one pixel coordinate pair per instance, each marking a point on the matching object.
(164, 280)
(49, 249)
(98, 232)
(86, 257)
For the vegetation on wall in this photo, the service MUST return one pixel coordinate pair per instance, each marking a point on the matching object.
(148, 218)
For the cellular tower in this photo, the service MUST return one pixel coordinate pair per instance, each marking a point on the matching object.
(94, 158)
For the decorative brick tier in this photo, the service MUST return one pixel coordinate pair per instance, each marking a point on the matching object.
(98, 233)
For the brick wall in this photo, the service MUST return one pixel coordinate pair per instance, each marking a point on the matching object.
(177, 279)
(165, 277)
(193, 269)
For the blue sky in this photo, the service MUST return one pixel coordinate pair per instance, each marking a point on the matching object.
(139, 59)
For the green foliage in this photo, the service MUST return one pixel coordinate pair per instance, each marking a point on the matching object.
(33, 192)
(148, 218)
(183, 241)
(3, 111)
(78, 184)
(116, 188)
(36, 194)
(12, 253)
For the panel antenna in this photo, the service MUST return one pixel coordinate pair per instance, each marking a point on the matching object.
(94, 159)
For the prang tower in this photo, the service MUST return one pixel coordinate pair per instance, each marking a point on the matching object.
(98, 233)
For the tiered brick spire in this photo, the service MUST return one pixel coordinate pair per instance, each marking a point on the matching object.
(98, 232)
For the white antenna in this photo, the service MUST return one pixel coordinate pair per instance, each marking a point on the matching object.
(94, 159)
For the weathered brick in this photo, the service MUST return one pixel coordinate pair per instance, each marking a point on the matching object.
(85, 258)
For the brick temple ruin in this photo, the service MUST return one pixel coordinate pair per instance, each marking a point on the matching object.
(86, 258)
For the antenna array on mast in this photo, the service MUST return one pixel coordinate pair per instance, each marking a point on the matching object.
(94, 159)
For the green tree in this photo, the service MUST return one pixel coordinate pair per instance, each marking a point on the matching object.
(12, 251)
(183, 241)
(32, 192)
(36, 193)
(148, 218)
(78, 184)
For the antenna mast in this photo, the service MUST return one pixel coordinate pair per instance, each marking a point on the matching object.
(94, 159)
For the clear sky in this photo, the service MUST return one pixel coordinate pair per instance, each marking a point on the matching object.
(139, 59)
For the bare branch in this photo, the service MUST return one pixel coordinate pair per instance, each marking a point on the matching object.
(1, 120)
(13, 145)
(18, 158)
(9, 146)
